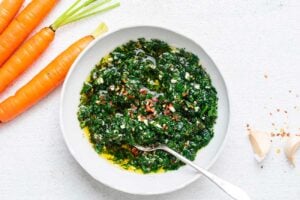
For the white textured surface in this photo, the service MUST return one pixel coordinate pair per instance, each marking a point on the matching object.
(247, 39)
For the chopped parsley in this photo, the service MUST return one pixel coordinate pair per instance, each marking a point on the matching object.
(146, 92)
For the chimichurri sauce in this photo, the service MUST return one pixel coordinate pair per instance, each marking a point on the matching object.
(146, 92)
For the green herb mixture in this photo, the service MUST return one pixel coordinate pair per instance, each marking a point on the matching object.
(146, 92)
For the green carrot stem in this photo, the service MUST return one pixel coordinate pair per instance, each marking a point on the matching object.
(70, 12)
(85, 4)
(85, 15)
(64, 15)
(102, 28)
(91, 8)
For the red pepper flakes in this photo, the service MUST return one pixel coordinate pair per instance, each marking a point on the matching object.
(149, 106)
(273, 134)
(130, 97)
(135, 151)
(133, 107)
(154, 99)
(168, 109)
(143, 91)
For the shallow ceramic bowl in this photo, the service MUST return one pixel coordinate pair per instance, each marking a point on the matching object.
(101, 169)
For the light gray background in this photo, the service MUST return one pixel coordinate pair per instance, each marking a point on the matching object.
(247, 39)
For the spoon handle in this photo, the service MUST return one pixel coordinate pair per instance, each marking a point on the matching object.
(232, 190)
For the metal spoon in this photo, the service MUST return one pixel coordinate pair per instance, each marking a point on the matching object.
(233, 191)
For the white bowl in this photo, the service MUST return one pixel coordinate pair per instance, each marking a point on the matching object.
(101, 169)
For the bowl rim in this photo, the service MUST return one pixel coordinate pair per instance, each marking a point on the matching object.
(70, 72)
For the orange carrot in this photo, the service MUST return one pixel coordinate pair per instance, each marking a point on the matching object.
(8, 9)
(45, 81)
(22, 26)
(35, 46)
(25, 56)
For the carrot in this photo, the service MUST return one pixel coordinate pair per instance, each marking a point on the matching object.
(8, 9)
(35, 46)
(46, 80)
(25, 56)
(22, 26)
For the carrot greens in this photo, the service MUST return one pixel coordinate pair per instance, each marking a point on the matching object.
(82, 9)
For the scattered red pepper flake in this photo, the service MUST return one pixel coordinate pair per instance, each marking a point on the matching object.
(125, 92)
(135, 151)
(143, 91)
(273, 134)
(133, 107)
(154, 99)
(167, 112)
(149, 106)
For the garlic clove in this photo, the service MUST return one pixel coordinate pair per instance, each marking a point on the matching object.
(261, 144)
(292, 145)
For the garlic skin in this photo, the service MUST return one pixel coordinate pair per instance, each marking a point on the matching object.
(261, 144)
(291, 147)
